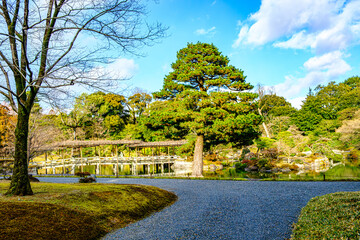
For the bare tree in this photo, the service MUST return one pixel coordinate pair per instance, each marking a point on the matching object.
(261, 93)
(47, 45)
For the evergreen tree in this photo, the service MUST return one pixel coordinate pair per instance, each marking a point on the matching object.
(204, 95)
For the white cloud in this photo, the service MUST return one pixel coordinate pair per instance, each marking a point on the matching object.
(319, 71)
(121, 68)
(326, 27)
(332, 62)
(299, 40)
(277, 19)
(213, 3)
(202, 31)
(242, 34)
(296, 102)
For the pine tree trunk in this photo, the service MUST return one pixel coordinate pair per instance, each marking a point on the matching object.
(198, 157)
(20, 184)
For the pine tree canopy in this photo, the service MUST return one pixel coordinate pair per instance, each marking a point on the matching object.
(204, 94)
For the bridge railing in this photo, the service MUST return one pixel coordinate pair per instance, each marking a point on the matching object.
(104, 161)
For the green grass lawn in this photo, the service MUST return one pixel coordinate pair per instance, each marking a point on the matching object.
(77, 211)
(332, 216)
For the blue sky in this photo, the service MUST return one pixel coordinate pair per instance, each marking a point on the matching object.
(285, 45)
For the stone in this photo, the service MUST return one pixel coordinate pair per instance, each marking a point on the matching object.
(253, 168)
(249, 156)
(285, 170)
(212, 168)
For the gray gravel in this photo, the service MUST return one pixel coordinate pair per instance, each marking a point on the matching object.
(224, 209)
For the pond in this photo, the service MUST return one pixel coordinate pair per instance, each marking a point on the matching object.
(339, 172)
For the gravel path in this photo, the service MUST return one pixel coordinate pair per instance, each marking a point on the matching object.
(224, 209)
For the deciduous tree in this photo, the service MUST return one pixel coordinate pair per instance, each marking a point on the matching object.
(56, 43)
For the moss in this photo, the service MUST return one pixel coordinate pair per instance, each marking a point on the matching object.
(82, 211)
(26, 220)
(332, 216)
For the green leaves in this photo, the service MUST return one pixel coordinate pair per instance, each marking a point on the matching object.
(328, 103)
(201, 67)
(204, 97)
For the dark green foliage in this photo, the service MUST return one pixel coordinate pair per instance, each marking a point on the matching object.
(82, 174)
(273, 105)
(85, 177)
(240, 167)
(328, 103)
(97, 115)
(194, 100)
(244, 152)
(306, 120)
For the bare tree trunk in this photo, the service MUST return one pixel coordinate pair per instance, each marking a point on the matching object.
(264, 125)
(198, 157)
(266, 130)
(20, 184)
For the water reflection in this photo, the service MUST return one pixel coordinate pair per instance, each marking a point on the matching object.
(340, 172)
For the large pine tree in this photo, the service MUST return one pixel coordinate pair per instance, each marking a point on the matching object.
(204, 94)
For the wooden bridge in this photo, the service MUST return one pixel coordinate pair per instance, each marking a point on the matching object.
(134, 164)
(150, 165)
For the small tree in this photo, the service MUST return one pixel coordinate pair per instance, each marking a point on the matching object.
(205, 96)
(137, 104)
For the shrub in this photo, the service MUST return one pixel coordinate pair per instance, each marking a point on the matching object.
(248, 162)
(240, 167)
(244, 152)
(271, 153)
(335, 157)
(84, 177)
(87, 180)
(225, 164)
(262, 162)
(353, 157)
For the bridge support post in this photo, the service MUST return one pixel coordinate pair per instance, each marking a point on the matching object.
(81, 160)
(63, 163)
(46, 172)
(97, 170)
(117, 161)
(162, 168)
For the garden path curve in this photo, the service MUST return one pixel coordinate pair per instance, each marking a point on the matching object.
(208, 209)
